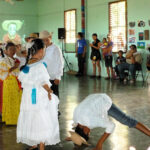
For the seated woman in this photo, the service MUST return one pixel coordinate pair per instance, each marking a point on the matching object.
(133, 62)
(93, 112)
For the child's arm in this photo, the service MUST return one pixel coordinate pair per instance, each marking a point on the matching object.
(105, 51)
(84, 52)
(76, 50)
(17, 63)
(101, 141)
(48, 89)
(117, 62)
(98, 47)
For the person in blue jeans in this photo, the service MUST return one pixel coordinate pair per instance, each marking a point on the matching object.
(93, 112)
(120, 60)
(80, 53)
(133, 62)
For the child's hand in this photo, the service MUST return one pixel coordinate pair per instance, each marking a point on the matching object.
(91, 45)
(76, 55)
(68, 139)
(57, 82)
(17, 65)
(49, 94)
(11, 69)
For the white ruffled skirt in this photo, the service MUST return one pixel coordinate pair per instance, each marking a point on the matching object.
(41, 125)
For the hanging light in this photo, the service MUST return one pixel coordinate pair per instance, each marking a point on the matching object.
(9, 1)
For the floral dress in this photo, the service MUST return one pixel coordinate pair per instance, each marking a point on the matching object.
(11, 93)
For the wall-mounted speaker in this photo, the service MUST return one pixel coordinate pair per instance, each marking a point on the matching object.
(61, 33)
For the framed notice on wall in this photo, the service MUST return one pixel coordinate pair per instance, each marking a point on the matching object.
(132, 39)
(146, 34)
(131, 31)
(141, 36)
(141, 45)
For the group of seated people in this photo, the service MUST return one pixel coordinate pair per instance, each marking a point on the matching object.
(125, 65)
(131, 63)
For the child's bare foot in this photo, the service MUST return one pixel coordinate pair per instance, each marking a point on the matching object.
(68, 139)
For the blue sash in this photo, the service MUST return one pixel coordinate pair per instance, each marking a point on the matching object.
(33, 96)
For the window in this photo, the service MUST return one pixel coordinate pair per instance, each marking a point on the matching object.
(70, 26)
(118, 24)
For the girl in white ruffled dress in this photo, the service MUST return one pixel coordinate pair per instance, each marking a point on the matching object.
(38, 120)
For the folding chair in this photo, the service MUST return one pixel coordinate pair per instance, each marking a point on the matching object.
(147, 76)
(138, 70)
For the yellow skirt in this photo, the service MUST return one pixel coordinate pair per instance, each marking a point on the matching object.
(11, 101)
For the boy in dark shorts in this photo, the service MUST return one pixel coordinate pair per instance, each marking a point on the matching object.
(120, 59)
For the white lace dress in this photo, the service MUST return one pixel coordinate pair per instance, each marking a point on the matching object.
(38, 119)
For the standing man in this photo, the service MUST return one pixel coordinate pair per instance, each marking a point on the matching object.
(54, 60)
(80, 53)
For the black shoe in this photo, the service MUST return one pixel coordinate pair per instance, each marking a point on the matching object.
(59, 113)
(77, 75)
(121, 79)
(99, 77)
(107, 78)
(93, 76)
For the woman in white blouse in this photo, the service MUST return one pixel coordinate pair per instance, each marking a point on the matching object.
(93, 112)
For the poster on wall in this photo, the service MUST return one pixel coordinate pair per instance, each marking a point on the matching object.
(12, 27)
(141, 23)
(149, 22)
(132, 39)
(141, 36)
(146, 34)
(131, 31)
(132, 24)
(141, 45)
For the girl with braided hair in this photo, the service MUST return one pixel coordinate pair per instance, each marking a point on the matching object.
(1, 53)
(38, 120)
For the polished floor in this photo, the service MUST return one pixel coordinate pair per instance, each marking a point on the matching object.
(132, 99)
